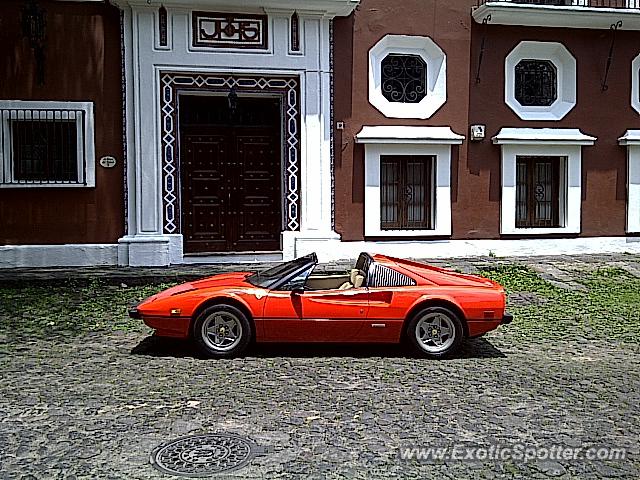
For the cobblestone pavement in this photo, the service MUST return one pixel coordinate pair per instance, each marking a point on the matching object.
(96, 405)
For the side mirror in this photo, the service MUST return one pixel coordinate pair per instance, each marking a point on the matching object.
(297, 291)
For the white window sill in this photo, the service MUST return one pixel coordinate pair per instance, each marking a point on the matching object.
(45, 185)
(541, 231)
(433, 232)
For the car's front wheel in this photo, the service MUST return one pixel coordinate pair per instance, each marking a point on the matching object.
(222, 331)
(435, 332)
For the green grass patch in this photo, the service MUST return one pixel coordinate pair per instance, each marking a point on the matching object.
(607, 308)
(69, 308)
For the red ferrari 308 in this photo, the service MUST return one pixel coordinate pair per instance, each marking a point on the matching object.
(381, 300)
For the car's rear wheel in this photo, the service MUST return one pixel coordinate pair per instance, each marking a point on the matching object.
(222, 331)
(435, 332)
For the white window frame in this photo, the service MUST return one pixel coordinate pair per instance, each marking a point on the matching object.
(631, 140)
(86, 144)
(573, 2)
(405, 140)
(566, 144)
(635, 83)
(436, 61)
(565, 64)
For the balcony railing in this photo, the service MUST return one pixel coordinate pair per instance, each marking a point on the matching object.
(573, 3)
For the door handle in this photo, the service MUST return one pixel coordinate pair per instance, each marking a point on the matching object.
(229, 198)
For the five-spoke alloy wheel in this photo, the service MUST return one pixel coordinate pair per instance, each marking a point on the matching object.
(222, 331)
(435, 331)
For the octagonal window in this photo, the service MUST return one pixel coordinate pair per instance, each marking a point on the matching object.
(407, 76)
(540, 81)
(404, 78)
(536, 83)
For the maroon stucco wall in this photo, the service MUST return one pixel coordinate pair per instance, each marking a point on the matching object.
(605, 115)
(83, 64)
(448, 24)
(476, 166)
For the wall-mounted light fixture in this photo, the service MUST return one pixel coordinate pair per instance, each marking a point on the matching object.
(232, 98)
(34, 28)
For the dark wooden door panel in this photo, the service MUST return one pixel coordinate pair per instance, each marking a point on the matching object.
(259, 197)
(203, 170)
(231, 182)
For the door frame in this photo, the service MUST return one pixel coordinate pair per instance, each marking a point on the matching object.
(217, 93)
(174, 84)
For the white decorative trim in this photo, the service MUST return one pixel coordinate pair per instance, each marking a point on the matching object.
(572, 16)
(71, 255)
(263, 46)
(156, 30)
(287, 89)
(144, 66)
(442, 192)
(635, 83)
(328, 249)
(334, 250)
(406, 134)
(563, 143)
(50, 110)
(556, 136)
(436, 61)
(146, 250)
(330, 8)
(565, 64)
(631, 140)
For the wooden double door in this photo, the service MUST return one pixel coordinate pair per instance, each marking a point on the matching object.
(230, 174)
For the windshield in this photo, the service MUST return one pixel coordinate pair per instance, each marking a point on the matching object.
(270, 277)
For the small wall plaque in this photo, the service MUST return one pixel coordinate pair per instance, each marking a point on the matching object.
(108, 162)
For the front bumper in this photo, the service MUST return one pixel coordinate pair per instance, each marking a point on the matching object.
(135, 313)
(506, 318)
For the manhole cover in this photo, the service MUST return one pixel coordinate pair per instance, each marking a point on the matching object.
(203, 455)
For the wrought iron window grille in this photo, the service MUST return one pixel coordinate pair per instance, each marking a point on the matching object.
(536, 83)
(45, 147)
(404, 78)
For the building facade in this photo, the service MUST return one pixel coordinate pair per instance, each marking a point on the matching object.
(155, 133)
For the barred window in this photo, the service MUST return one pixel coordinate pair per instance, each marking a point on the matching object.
(44, 150)
(46, 144)
(536, 83)
(538, 191)
(404, 78)
(406, 192)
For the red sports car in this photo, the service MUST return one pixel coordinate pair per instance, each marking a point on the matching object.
(381, 300)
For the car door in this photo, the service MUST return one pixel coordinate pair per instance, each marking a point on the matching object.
(315, 316)
(386, 314)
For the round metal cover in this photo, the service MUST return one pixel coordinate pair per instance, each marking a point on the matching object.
(203, 455)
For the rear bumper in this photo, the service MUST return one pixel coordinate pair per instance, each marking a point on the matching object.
(506, 318)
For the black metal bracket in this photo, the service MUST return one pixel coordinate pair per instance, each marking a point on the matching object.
(614, 28)
(485, 22)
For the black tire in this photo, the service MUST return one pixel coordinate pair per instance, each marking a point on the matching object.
(223, 319)
(429, 347)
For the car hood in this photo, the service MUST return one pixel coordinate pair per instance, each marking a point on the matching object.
(223, 280)
(235, 279)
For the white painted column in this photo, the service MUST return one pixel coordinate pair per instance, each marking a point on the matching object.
(316, 166)
(631, 140)
(145, 244)
(316, 233)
